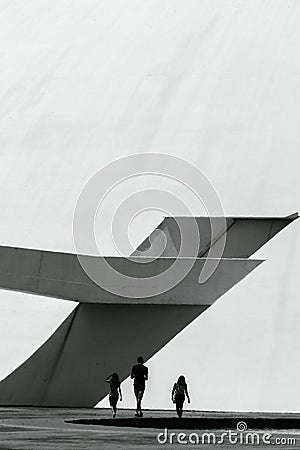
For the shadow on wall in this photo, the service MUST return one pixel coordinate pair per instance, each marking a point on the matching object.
(95, 340)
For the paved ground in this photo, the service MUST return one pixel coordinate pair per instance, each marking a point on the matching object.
(35, 428)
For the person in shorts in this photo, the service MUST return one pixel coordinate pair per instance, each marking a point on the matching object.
(114, 392)
(139, 373)
(179, 392)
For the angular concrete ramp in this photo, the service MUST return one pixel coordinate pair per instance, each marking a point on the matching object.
(244, 235)
(60, 275)
(94, 341)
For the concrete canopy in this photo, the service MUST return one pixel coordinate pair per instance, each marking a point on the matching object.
(61, 276)
(100, 333)
(244, 235)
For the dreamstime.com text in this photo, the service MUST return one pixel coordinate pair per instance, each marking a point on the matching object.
(241, 436)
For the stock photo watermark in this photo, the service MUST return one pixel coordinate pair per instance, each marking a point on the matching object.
(115, 280)
(240, 436)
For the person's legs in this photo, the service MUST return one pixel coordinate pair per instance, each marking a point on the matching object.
(136, 393)
(179, 404)
(115, 408)
(113, 400)
(139, 392)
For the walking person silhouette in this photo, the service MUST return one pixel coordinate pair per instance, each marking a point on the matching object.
(179, 392)
(115, 391)
(139, 373)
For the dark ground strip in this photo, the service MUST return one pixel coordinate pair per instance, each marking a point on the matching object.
(194, 423)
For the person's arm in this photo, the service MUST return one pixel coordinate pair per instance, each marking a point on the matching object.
(146, 374)
(173, 391)
(132, 372)
(108, 379)
(120, 392)
(187, 394)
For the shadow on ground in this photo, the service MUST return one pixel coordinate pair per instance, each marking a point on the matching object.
(194, 423)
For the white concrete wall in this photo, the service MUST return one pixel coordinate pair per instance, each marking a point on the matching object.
(84, 82)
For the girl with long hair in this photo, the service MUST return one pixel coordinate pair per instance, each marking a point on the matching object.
(114, 392)
(179, 392)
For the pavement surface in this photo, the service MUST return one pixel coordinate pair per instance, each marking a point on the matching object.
(54, 428)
